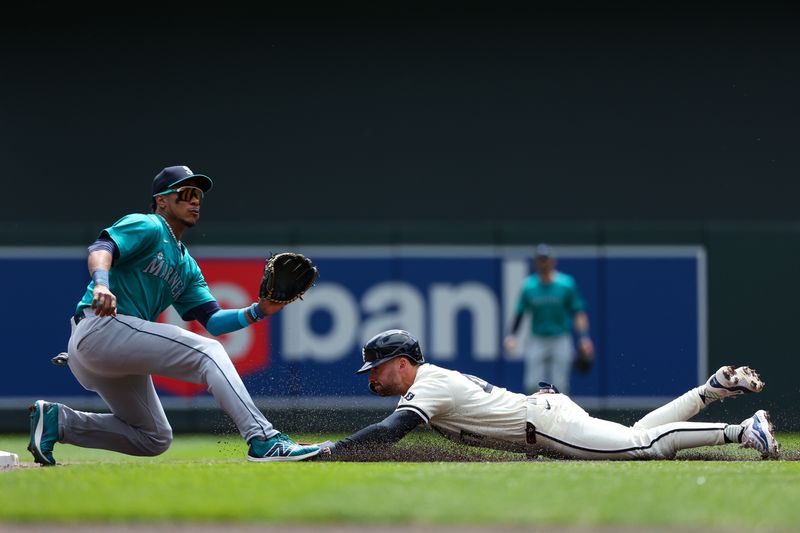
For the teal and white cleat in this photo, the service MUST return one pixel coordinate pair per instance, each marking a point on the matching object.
(279, 448)
(44, 431)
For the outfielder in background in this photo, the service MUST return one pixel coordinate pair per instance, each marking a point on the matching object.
(555, 306)
(139, 267)
(468, 410)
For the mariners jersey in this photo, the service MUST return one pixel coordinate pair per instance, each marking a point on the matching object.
(551, 305)
(152, 271)
(467, 409)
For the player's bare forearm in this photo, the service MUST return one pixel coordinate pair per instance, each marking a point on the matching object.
(585, 345)
(582, 323)
(104, 302)
(99, 260)
(510, 341)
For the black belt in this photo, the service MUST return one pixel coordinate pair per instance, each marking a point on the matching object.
(78, 316)
(530, 433)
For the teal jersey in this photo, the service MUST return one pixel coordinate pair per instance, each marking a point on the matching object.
(151, 272)
(552, 306)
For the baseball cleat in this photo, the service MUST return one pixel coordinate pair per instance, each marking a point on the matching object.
(729, 381)
(61, 359)
(279, 448)
(757, 434)
(44, 431)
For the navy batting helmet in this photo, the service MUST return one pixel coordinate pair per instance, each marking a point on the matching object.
(388, 345)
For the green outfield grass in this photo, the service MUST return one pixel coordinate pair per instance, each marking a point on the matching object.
(205, 478)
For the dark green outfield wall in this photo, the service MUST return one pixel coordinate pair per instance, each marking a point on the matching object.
(395, 114)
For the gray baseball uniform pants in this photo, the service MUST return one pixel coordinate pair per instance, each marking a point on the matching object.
(548, 359)
(115, 357)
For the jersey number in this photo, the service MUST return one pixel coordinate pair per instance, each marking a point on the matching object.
(486, 386)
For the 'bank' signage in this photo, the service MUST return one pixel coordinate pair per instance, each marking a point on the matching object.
(646, 306)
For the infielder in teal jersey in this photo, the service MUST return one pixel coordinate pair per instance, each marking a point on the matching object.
(555, 305)
(139, 267)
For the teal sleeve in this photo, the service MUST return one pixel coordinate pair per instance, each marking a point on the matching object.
(577, 304)
(134, 234)
(227, 320)
(196, 293)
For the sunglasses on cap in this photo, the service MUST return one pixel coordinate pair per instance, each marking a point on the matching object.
(186, 193)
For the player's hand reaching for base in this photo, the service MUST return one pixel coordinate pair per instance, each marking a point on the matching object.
(325, 452)
(104, 302)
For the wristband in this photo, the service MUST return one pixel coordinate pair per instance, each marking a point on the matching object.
(255, 312)
(100, 277)
(241, 317)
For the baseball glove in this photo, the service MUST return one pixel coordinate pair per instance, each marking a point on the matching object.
(583, 361)
(287, 276)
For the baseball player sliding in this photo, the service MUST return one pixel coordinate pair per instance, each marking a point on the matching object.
(139, 267)
(471, 411)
